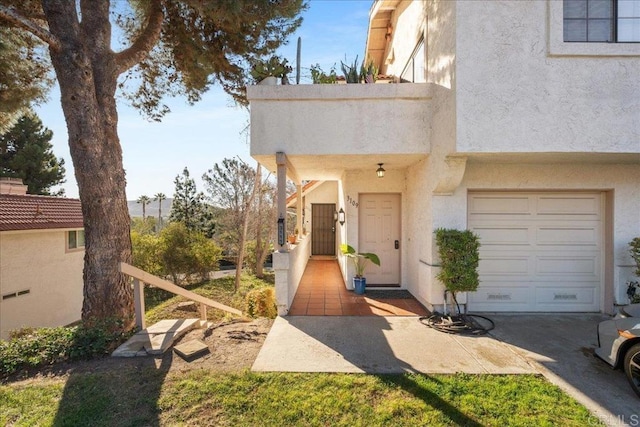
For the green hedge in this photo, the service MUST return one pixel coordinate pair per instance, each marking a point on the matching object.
(459, 258)
(31, 347)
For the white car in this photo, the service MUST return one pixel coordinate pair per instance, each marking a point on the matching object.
(619, 343)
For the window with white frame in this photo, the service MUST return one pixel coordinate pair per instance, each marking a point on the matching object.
(414, 70)
(601, 21)
(75, 239)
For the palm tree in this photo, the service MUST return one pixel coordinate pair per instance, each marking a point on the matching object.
(159, 197)
(144, 201)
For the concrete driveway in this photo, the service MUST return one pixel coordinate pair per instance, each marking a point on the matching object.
(561, 348)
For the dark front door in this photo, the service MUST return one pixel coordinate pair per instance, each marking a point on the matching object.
(323, 229)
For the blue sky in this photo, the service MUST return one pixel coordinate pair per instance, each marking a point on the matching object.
(199, 136)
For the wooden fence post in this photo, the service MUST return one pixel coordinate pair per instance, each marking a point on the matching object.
(138, 301)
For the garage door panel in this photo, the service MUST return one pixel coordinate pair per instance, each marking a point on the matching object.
(505, 265)
(568, 266)
(567, 299)
(547, 260)
(567, 235)
(582, 205)
(500, 205)
(502, 296)
(497, 235)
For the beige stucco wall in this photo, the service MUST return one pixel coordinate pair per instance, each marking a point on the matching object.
(408, 27)
(357, 182)
(515, 95)
(339, 119)
(38, 261)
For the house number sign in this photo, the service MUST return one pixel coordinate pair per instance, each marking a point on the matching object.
(352, 202)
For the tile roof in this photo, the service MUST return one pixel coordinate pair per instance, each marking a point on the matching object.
(27, 212)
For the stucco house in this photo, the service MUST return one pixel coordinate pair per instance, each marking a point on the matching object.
(41, 259)
(519, 120)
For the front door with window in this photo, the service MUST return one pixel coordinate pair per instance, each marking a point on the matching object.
(379, 231)
(323, 229)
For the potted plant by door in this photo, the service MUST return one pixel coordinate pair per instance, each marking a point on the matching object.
(360, 263)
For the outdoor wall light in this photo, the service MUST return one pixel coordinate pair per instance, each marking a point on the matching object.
(380, 171)
(341, 219)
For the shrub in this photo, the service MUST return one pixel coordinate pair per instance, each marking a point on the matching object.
(634, 248)
(261, 303)
(147, 253)
(187, 253)
(30, 347)
(459, 258)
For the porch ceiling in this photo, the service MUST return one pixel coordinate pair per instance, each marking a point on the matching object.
(332, 167)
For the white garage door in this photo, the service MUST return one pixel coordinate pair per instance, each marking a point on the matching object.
(539, 251)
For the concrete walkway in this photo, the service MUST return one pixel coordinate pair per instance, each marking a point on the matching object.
(380, 345)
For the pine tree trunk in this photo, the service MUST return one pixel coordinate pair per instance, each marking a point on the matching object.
(87, 76)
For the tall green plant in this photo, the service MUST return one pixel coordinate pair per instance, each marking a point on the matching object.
(634, 248)
(459, 258)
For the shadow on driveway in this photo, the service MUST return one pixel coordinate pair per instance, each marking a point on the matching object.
(561, 346)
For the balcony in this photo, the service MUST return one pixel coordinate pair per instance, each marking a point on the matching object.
(326, 129)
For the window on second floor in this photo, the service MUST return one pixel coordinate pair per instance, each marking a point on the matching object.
(605, 21)
(75, 239)
(414, 71)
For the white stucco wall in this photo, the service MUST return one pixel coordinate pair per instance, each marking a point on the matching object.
(39, 262)
(514, 95)
(339, 119)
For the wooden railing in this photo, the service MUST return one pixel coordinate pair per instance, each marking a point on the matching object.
(140, 277)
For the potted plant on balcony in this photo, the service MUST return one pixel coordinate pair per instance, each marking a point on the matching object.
(268, 71)
(360, 261)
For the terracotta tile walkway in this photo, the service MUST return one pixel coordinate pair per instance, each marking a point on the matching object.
(322, 293)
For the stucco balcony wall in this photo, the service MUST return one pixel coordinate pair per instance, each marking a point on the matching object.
(352, 119)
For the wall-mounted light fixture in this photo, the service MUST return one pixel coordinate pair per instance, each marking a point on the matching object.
(380, 171)
(341, 218)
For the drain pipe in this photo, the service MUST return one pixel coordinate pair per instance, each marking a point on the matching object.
(446, 291)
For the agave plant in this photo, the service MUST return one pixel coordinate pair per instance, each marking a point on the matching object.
(359, 259)
(351, 73)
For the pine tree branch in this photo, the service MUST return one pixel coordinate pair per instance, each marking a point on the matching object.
(145, 42)
(11, 15)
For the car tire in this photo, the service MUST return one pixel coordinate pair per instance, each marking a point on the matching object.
(632, 367)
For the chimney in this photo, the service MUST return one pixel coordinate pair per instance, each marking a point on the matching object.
(12, 186)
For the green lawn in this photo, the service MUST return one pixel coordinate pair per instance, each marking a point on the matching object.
(149, 396)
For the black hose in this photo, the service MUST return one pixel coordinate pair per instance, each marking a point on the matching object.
(464, 324)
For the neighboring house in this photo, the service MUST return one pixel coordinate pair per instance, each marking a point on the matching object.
(41, 259)
(522, 123)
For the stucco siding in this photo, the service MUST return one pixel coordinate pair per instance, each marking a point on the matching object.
(514, 96)
(339, 119)
(408, 27)
(39, 262)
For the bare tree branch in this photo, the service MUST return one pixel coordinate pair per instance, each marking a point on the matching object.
(145, 42)
(11, 15)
